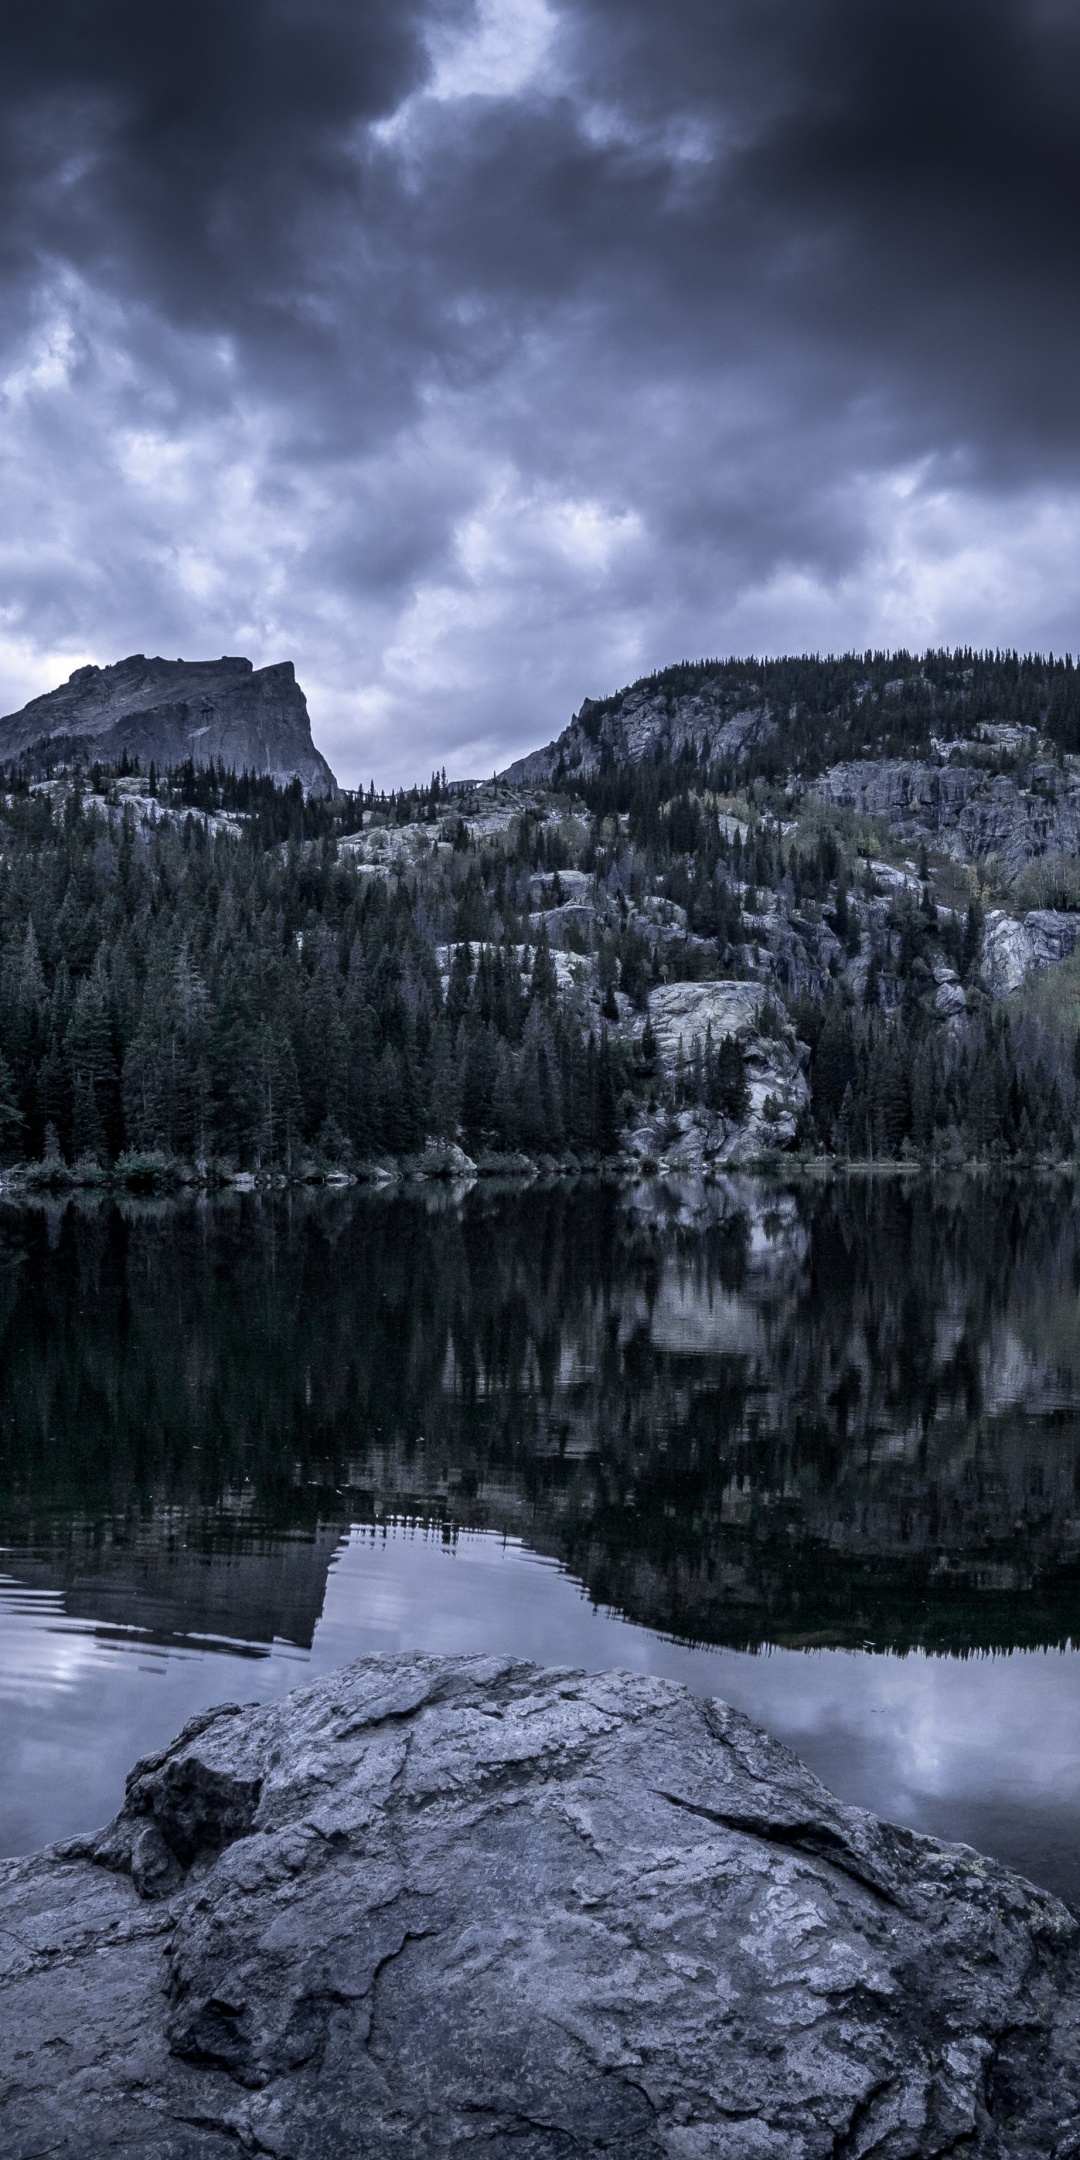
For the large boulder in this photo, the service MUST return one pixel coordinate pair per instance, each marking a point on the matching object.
(430, 1906)
(1012, 948)
(682, 1014)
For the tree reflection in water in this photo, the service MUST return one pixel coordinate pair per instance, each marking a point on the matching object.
(801, 1413)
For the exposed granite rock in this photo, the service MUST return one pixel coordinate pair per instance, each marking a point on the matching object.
(388, 849)
(682, 1014)
(913, 796)
(574, 918)
(962, 810)
(642, 723)
(552, 889)
(169, 710)
(429, 1906)
(950, 1001)
(443, 1159)
(1012, 948)
(1053, 935)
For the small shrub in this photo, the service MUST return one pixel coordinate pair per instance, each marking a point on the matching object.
(88, 1171)
(1053, 881)
(52, 1175)
(145, 1170)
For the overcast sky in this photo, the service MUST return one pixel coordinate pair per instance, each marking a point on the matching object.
(479, 357)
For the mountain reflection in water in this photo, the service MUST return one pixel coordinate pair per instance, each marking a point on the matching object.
(839, 1415)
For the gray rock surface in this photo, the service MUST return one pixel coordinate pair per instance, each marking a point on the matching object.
(641, 722)
(169, 710)
(968, 813)
(1011, 948)
(682, 1015)
(433, 1906)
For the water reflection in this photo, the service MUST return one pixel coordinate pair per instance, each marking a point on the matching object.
(836, 1420)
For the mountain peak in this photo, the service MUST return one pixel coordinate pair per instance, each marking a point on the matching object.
(253, 719)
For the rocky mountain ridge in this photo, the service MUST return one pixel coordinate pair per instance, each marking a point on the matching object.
(997, 795)
(645, 723)
(170, 711)
(978, 758)
(712, 939)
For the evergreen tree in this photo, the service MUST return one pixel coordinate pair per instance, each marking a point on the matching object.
(11, 1118)
(606, 1113)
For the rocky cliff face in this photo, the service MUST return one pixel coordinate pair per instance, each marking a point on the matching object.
(431, 1904)
(1012, 948)
(645, 722)
(966, 811)
(253, 719)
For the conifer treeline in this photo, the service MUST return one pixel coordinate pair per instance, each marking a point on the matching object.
(243, 992)
(212, 996)
(882, 1086)
(871, 704)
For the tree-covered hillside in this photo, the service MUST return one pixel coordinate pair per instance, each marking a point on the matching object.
(680, 958)
(228, 982)
(772, 719)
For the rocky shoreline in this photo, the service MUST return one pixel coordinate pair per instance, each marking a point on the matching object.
(437, 1905)
(684, 1161)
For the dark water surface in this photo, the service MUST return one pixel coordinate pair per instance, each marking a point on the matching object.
(816, 1449)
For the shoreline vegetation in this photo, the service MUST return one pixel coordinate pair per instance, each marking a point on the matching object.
(151, 1172)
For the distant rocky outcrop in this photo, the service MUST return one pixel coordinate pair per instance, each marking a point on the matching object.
(647, 721)
(966, 811)
(436, 1904)
(166, 711)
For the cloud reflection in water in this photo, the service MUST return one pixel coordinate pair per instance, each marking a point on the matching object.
(984, 1748)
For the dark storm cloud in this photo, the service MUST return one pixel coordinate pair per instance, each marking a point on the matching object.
(527, 372)
(892, 200)
(197, 158)
(891, 182)
(178, 142)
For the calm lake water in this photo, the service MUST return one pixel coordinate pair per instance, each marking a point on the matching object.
(815, 1448)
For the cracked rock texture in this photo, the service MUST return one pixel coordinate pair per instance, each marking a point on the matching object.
(1011, 948)
(642, 722)
(682, 1015)
(968, 813)
(444, 1906)
(252, 719)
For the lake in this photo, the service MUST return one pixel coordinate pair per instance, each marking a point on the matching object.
(812, 1445)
